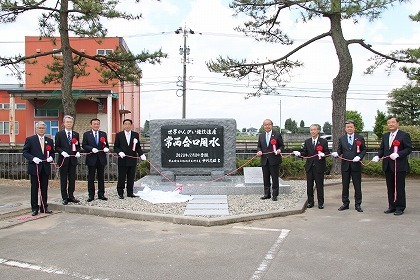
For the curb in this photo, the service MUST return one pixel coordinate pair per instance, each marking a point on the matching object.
(176, 219)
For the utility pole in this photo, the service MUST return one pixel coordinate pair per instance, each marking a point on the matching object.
(280, 117)
(184, 52)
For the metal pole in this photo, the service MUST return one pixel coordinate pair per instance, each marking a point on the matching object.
(184, 77)
(280, 116)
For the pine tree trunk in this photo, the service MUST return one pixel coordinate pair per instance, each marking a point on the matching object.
(68, 70)
(340, 83)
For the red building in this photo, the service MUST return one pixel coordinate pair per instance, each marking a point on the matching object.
(22, 107)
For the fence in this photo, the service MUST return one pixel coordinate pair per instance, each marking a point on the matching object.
(15, 166)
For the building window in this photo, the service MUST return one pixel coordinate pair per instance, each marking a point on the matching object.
(5, 128)
(104, 52)
(18, 106)
(52, 127)
(46, 113)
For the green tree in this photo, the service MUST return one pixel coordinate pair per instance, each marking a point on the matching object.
(244, 129)
(76, 18)
(146, 126)
(326, 128)
(302, 123)
(404, 103)
(380, 122)
(290, 125)
(357, 118)
(263, 22)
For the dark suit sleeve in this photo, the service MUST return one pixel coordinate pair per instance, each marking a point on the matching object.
(406, 145)
(85, 144)
(58, 142)
(117, 143)
(27, 150)
(340, 147)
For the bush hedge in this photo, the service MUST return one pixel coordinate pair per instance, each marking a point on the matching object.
(294, 168)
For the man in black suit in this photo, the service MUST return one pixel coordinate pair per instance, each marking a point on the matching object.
(315, 166)
(95, 142)
(352, 148)
(127, 146)
(39, 151)
(395, 148)
(68, 146)
(270, 145)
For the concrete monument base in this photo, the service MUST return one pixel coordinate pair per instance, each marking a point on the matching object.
(193, 185)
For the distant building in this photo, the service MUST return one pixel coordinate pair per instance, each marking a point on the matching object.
(22, 106)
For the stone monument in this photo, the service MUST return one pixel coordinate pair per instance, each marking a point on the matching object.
(193, 147)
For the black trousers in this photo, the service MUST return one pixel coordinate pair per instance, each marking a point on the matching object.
(400, 202)
(273, 172)
(43, 187)
(356, 177)
(126, 172)
(311, 177)
(98, 170)
(67, 174)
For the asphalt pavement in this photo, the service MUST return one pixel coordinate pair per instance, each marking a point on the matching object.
(314, 244)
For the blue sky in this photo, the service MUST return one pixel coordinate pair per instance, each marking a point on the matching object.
(210, 95)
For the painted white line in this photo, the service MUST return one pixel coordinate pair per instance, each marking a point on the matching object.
(50, 270)
(265, 264)
(258, 228)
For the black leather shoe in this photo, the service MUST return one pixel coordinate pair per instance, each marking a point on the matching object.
(389, 211)
(90, 199)
(65, 201)
(102, 198)
(358, 209)
(131, 195)
(320, 206)
(274, 198)
(74, 200)
(121, 196)
(309, 205)
(343, 207)
(398, 212)
(265, 197)
(34, 213)
(47, 212)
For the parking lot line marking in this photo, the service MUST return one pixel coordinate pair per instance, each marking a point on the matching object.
(258, 228)
(265, 264)
(52, 270)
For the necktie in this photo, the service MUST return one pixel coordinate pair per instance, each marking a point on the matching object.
(96, 137)
(350, 142)
(69, 137)
(391, 138)
(313, 143)
(41, 141)
(267, 138)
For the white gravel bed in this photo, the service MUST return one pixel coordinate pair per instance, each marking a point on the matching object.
(238, 204)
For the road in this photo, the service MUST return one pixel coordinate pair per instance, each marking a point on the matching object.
(318, 244)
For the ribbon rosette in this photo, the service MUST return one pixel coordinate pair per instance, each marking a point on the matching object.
(273, 142)
(73, 144)
(134, 144)
(319, 149)
(48, 149)
(358, 144)
(396, 143)
(102, 140)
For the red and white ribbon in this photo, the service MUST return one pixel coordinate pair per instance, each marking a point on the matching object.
(134, 144)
